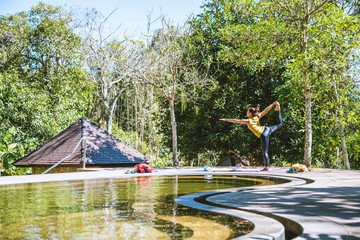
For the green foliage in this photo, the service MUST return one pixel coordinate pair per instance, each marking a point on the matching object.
(9, 152)
(43, 88)
(138, 116)
(131, 138)
(315, 42)
(235, 89)
(253, 50)
(333, 55)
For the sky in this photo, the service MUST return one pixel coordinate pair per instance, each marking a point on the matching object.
(130, 14)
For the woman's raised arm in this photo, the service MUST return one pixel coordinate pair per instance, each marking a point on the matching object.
(267, 109)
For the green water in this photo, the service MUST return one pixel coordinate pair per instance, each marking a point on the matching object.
(135, 208)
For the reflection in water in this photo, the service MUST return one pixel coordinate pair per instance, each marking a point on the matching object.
(135, 208)
(208, 177)
(144, 181)
(202, 228)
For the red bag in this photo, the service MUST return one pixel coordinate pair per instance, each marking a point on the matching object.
(143, 168)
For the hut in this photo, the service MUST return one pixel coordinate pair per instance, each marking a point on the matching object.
(82, 144)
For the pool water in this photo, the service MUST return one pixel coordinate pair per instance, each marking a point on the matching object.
(132, 208)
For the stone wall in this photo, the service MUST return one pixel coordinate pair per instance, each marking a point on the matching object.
(39, 170)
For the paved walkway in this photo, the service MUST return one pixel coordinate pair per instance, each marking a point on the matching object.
(327, 208)
(326, 203)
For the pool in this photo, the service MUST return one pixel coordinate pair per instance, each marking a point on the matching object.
(131, 208)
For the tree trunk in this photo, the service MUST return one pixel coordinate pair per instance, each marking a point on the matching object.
(338, 108)
(307, 91)
(308, 126)
(174, 134)
(111, 114)
(109, 123)
(149, 117)
(111, 108)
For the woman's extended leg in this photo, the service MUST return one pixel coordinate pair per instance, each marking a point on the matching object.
(276, 127)
(265, 140)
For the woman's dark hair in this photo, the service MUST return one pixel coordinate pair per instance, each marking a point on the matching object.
(254, 111)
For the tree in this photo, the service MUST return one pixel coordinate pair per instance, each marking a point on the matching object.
(234, 89)
(6, 150)
(107, 62)
(43, 88)
(335, 67)
(278, 32)
(167, 67)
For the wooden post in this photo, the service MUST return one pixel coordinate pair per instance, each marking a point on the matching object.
(84, 153)
(84, 141)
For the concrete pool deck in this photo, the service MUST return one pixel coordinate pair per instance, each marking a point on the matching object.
(327, 206)
(323, 204)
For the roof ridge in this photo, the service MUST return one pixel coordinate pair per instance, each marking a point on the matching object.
(83, 127)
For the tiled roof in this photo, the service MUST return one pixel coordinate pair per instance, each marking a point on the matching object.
(102, 149)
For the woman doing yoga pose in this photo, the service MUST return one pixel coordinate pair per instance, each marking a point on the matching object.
(262, 132)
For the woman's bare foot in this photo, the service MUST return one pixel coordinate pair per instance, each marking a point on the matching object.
(265, 169)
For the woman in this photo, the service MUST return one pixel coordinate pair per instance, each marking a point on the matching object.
(262, 132)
